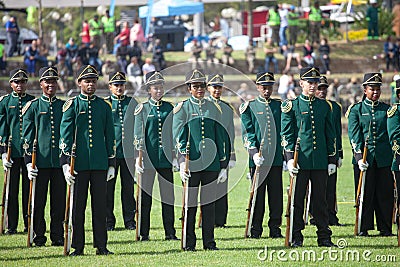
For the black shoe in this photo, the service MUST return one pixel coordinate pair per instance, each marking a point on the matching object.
(326, 243)
(103, 251)
(77, 252)
(58, 243)
(275, 232)
(363, 233)
(256, 236)
(312, 221)
(110, 228)
(276, 235)
(220, 226)
(40, 243)
(211, 248)
(386, 233)
(25, 229)
(336, 224)
(189, 249)
(171, 237)
(297, 244)
(130, 227)
(11, 232)
(145, 238)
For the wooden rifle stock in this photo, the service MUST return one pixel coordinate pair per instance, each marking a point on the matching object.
(31, 199)
(69, 204)
(139, 198)
(6, 186)
(360, 192)
(290, 203)
(185, 196)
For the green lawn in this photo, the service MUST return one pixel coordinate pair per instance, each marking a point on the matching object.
(235, 250)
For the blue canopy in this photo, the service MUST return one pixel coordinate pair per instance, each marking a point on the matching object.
(166, 8)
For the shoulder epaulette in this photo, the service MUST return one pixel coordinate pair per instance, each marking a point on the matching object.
(27, 105)
(243, 107)
(108, 102)
(68, 103)
(107, 98)
(138, 109)
(178, 107)
(348, 110)
(217, 106)
(277, 99)
(329, 103)
(391, 111)
(2, 97)
(286, 106)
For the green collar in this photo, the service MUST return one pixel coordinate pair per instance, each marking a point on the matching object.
(114, 97)
(216, 100)
(48, 99)
(307, 98)
(14, 94)
(263, 100)
(370, 102)
(154, 102)
(86, 97)
(197, 101)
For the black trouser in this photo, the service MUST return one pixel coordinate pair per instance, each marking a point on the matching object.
(378, 197)
(127, 194)
(397, 177)
(208, 180)
(166, 186)
(12, 212)
(221, 205)
(98, 189)
(270, 179)
(318, 191)
(57, 204)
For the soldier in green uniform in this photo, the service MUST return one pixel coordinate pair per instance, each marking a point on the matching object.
(310, 119)
(393, 124)
(122, 105)
(261, 120)
(368, 118)
(41, 121)
(87, 121)
(198, 120)
(215, 87)
(11, 106)
(332, 179)
(153, 136)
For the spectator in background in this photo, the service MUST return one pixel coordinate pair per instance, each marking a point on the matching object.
(227, 51)
(289, 54)
(270, 50)
(315, 18)
(333, 90)
(3, 62)
(123, 37)
(135, 51)
(158, 56)
(63, 74)
(83, 55)
(12, 35)
(391, 52)
(93, 53)
(293, 24)
(210, 53)
(30, 56)
(137, 34)
(85, 33)
(308, 51)
(109, 30)
(147, 67)
(274, 22)
(250, 56)
(72, 54)
(134, 73)
(283, 87)
(122, 54)
(95, 30)
(372, 18)
(195, 53)
(108, 68)
(396, 19)
(283, 14)
(324, 51)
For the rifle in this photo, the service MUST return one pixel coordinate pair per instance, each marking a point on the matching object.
(308, 200)
(253, 193)
(139, 198)
(185, 197)
(69, 204)
(6, 189)
(396, 211)
(360, 192)
(290, 204)
(31, 199)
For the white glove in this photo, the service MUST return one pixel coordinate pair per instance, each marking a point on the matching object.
(6, 164)
(69, 178)
(362, 166)
(292, 169)
(339, 162)
(231, 164)
(331, 169)
(284, 166)
(184, 175)
(110, 173)
(222, 176)
(32, 173)
(175, 164)
(258, 160)
(138, 168)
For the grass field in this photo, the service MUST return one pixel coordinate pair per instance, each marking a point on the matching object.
(234, 249)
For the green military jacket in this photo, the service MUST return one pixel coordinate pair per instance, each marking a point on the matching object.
(261, 119)
(153, 133)
(337, 125)
(122, 113)
(201, 121)
(227, 123)
(367, 118)
(393, 126)
(310, 119)
(41, 120)
(11, 106)
(90, 119)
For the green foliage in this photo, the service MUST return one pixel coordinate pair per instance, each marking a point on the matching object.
(384, 22)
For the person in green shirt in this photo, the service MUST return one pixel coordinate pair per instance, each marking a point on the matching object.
(315, 18)
(11, 106)
(109, 30)
(95, 27)
(367, 120)
(274, 22)
(197, 120)
(41, 124)
(309, 119)
(153, 136)
(293, 25)
(261, 126)
(87, 122)
(372, 17)
(122, 107)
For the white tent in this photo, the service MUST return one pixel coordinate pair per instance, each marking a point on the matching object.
(166, 8)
